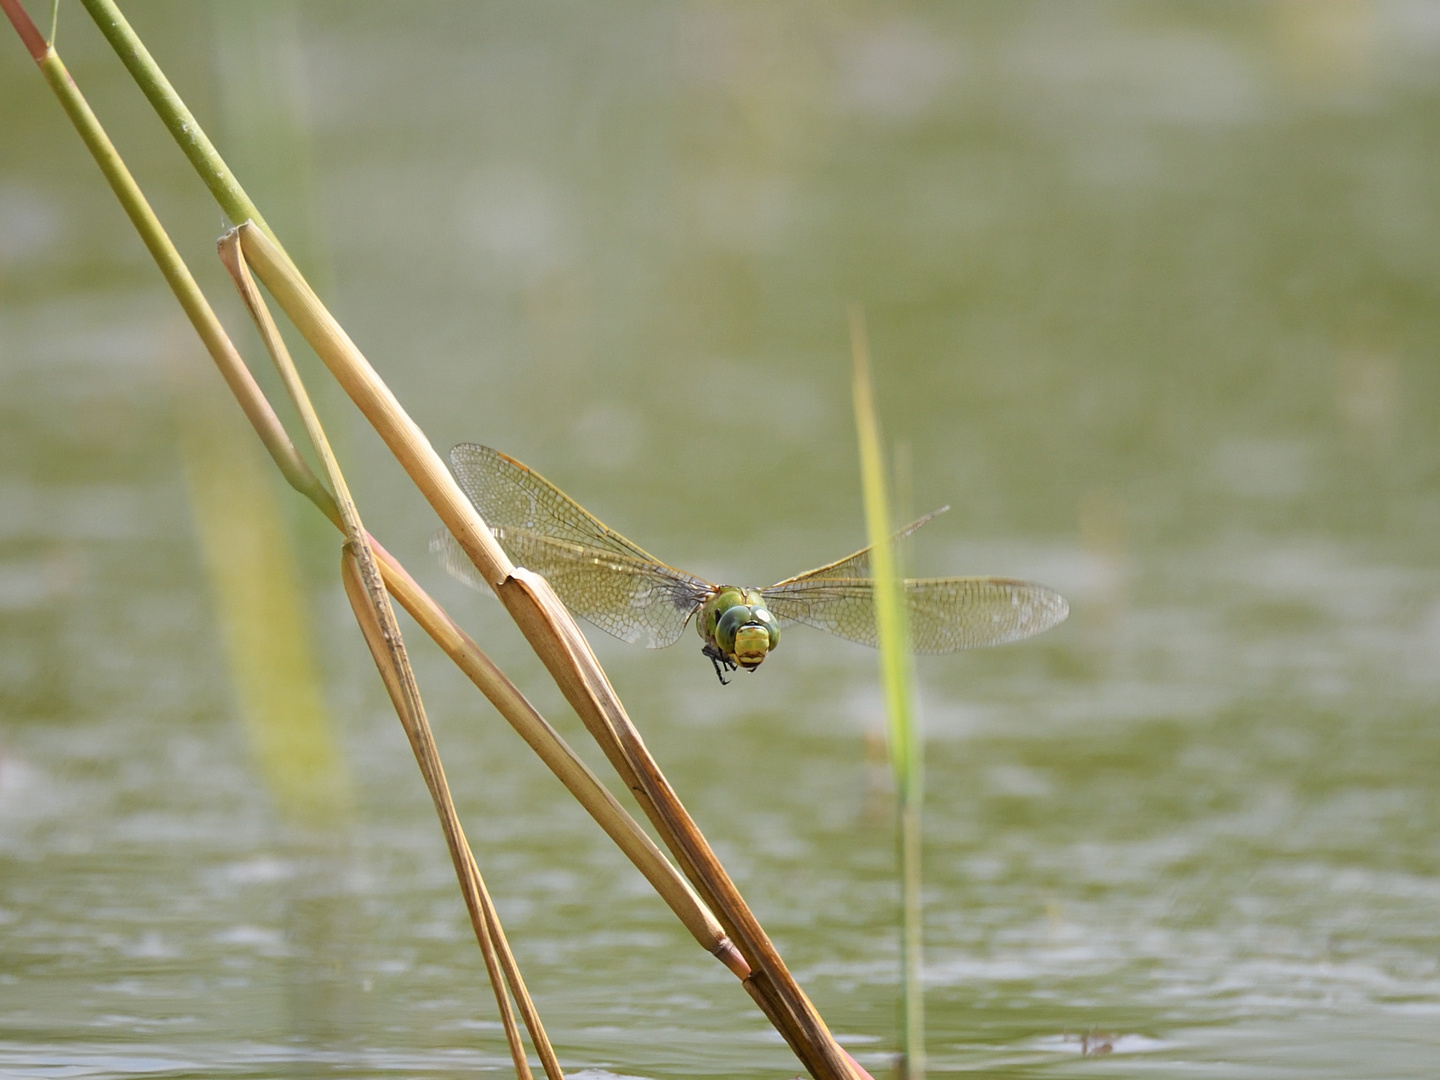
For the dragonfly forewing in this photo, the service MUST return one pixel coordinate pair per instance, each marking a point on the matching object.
(597, 573)
(510, 495)
(945, 614)
(637, 601)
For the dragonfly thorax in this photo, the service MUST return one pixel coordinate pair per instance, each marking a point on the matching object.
(737, 624)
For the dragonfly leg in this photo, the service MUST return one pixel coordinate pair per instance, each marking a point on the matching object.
(722, 663)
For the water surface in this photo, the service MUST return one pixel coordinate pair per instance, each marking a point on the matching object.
(1152, 297)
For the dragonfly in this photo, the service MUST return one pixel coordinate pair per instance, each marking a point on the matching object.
(624, 590)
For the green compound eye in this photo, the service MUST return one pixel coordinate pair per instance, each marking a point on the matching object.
(747, 633)
(772, 625)
(731, 620)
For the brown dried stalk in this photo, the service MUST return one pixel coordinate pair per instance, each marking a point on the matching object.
(545, 622)
(366, 590)
(552, 633)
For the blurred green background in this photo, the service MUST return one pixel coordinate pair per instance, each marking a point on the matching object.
(1152, 296)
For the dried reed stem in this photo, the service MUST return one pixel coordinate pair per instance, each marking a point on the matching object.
(552, 633)
(472, 886)
(571, 664)
(366, 590)
(494, 948)
(382, 632)
(567, 766)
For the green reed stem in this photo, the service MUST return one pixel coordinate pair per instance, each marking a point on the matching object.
(906, 753)
(172, 266)
(175, 115)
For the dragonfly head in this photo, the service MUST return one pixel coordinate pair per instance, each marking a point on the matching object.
(737, 622)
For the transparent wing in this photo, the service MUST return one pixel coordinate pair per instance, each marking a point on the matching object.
(598, 574)
(858, 565)
(946, 614)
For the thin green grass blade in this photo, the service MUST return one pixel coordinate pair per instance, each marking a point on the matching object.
(896, 669)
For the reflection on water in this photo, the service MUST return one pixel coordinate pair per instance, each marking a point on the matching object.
(1150, 295)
